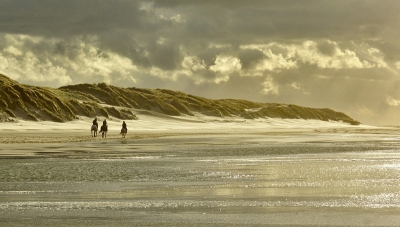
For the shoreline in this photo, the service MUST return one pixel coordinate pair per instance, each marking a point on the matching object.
(27, 139)
(69, 140)
(22, 131)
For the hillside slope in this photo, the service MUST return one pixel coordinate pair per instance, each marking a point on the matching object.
(65, 103)
(42, 103)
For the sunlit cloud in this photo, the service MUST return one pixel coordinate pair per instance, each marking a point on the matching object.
(49, 62)
(269, 87)
(392, 102)
(226, 64)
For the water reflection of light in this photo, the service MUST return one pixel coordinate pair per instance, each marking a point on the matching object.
(348, 180)
(382, 200)
(389, 166)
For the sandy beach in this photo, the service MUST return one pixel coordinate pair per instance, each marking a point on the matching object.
(199, 171)
(157, 125)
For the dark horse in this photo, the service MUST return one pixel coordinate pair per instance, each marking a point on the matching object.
(103, 130)
(123, 132)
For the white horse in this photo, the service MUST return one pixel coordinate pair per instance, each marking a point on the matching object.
(123, 132)
(93, 130)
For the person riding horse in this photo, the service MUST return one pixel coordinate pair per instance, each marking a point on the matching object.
(104, 129)
(124, 129)
(95, 127)
(95, 123)
(124, 126)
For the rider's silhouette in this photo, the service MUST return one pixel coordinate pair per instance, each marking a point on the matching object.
(95, 123)
(124, 126)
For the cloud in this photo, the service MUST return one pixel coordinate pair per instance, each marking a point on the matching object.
(392, 102)
(250, 57)
(298, 86)
(280, 57)
(75, 17)
(270, 87)
(226, 65)
(46, 62)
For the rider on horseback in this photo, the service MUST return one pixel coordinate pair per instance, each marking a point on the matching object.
(95, 123)
(124, 129)
(104, 129)
(95, 127)
(124, 126)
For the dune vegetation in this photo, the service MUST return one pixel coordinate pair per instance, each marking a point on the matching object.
(42, 103)
(68, 102)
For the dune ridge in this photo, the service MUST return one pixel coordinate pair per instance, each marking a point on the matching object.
(43, 103)
(68, 102)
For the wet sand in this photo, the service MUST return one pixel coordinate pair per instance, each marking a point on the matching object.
(207, 174)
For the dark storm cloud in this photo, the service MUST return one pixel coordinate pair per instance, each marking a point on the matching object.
(165, 55)
(271, 18)
(73, 17)
(250, 57)
(209, 55)
(327, 48)
(217, 20)
(295, 19)
(125, 27)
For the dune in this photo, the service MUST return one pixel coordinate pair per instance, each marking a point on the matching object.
(26, 102)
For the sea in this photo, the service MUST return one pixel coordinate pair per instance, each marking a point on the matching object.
(203, 181)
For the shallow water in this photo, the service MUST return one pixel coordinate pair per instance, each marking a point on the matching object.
(200, 178)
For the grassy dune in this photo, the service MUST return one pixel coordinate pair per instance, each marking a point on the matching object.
(42, 103)
(65, 103)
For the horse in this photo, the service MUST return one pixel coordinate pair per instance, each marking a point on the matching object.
(123, 132)
(103, 130)
(93, 130)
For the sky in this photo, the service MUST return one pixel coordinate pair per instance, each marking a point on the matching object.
(338, 54)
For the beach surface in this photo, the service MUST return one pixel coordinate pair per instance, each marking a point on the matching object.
(199, 171)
